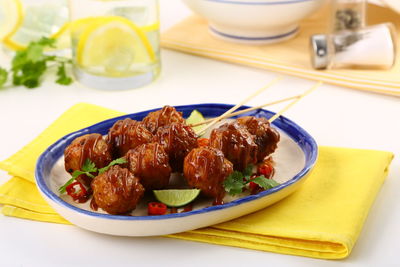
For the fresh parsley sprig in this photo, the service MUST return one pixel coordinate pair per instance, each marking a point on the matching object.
(88, 169)
(29, 65)
(237, 180)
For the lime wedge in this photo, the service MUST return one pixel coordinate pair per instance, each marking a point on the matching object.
(194, 118)
(176, 197)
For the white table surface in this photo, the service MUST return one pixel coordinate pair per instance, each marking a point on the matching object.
(335, 116)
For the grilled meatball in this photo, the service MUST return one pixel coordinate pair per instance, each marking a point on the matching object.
(149, 162)
(206, 168)
(265, 137)
(127, 134)
(236, 143)
(89, 146)
(117, 191)
(178, 140)
(162, 117)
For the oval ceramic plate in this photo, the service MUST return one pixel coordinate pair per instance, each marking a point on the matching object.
(294, 158)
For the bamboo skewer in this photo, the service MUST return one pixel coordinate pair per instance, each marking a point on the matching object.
(247, 110)
(309, 91)
(217, 119)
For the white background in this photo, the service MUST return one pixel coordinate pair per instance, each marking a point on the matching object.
(335, 116)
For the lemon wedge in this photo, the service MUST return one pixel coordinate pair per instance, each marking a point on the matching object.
(111, 46)
(49, 20)
(11, 16)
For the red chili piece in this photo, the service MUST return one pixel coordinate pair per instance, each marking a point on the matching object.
(156, 208)
(203, 142)
(254, 188)
(77, 191)
(265, 169)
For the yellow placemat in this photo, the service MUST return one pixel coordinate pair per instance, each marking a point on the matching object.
(323, 219)
(292, 56)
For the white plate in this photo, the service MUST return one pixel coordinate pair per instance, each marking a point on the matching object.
(294, 158)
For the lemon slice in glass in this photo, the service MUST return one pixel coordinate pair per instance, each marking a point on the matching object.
(176, 197)
(194, 118)
(112, 45)
(48, 20)
(11, 15)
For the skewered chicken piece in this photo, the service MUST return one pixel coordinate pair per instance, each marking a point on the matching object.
(206, 168)
(149, 162)
(162, 117)
(265, 136)
(127, 134)
(178, 140)
(236, 143)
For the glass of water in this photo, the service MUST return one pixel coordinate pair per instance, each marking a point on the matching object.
(115, 43)
(24, 21)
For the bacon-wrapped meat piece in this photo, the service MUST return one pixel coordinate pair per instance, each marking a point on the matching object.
(127, 134)
(178, 140)
(117, 191)
(149, 162)
(89, 146)
(265, 136)
(162, 117)
(206, 168)
(237, 144)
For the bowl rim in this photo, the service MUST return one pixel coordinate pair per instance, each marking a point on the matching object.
(281, 121)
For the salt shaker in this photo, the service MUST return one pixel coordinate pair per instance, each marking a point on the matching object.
(369, 47)
(348, 15)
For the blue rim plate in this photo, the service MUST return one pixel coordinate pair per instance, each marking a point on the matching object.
(177, 222)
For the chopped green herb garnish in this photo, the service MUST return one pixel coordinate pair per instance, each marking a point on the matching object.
(265, 183)
(88, 169)
(112, 163)
(29, 65)
(236, 181)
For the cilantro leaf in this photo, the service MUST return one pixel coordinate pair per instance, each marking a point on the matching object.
(3, 76)
(248, 171)
(112, 163)
(34, 52)
(31, 73)
(47, 42)
(264, 182)
(75, 174)
(63, 188)
(236, 181)
(234, 184)
(29, 65)
(89, 166)
(62, 77)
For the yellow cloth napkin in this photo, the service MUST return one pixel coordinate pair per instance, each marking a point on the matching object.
(290, 57)
(322, 219)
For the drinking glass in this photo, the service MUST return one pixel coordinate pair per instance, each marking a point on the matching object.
(24, 21)
(115, 43)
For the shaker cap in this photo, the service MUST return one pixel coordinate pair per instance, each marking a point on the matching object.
(319, 51)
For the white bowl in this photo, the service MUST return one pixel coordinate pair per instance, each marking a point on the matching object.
(254, 21)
